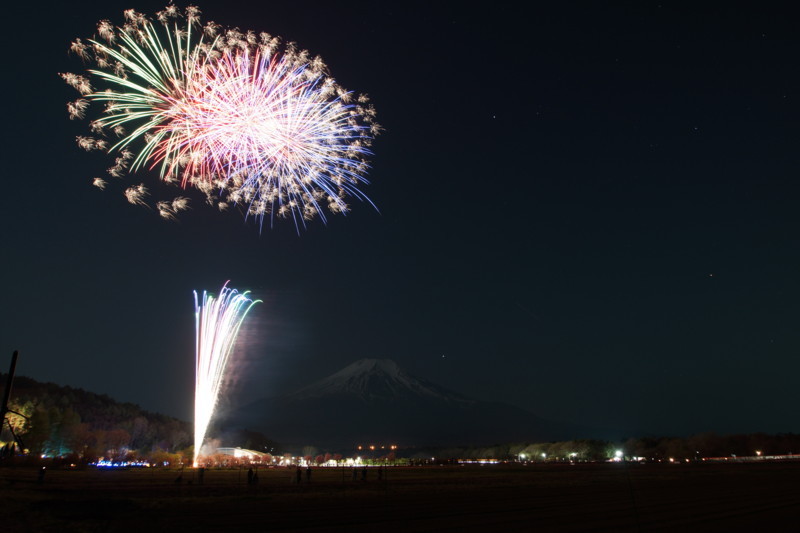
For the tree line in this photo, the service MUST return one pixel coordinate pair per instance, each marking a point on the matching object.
(695, 447)
(53, 420)
(60, 421)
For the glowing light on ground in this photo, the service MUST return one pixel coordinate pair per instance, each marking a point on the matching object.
(231, 113)
(217, 320)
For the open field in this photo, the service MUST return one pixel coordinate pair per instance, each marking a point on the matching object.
(602, 497)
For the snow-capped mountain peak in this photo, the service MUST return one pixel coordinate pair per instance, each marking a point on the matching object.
(373, 379)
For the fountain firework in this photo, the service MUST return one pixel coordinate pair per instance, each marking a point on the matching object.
(217, 320)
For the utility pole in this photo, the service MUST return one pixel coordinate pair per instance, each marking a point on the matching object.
(9, 382)
(6, 396)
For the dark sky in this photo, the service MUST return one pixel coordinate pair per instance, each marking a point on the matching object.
(586, 210)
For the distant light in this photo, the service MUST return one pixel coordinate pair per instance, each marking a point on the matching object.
(544, 455)
(618, 454)
(758, 453)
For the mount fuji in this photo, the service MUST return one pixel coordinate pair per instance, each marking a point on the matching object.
(374, 400)
(378, 380)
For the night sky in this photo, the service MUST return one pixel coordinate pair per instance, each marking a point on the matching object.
(589, 211)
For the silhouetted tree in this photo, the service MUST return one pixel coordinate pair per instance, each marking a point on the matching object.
(37, 435)
(118, 441)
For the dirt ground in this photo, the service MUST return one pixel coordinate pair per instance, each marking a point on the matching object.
(598, 497)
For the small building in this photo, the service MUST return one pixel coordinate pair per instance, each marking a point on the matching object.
(241, 453)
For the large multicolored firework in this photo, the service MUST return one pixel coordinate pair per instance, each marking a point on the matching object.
(234, 114)
(217, 320)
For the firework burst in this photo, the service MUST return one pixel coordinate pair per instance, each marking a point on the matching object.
(235, 115)
(217, 322)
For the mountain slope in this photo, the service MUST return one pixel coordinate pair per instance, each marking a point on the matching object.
(373, 400)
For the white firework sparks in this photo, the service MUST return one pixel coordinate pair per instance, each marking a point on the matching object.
(217, 320)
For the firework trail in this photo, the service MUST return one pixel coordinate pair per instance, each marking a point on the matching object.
(217, 324)
(235, 115)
